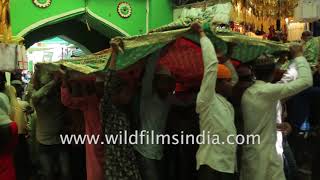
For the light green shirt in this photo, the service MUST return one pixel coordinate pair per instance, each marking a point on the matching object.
(216, 116)
(17, 108)
(261, 161)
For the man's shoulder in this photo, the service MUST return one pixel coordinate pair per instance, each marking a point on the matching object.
(23, 103)
(4, 96)
(260, 87)
(298, 58)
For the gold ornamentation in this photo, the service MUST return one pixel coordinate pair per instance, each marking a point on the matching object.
(45, 4)
(124, 9)
(268, 8)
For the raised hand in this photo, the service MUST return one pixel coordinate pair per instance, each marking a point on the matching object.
(197, 27)
(285, 128)
(116, 45)
(63, 75)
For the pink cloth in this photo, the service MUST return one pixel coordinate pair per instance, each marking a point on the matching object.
(7, 170)
(89, 105)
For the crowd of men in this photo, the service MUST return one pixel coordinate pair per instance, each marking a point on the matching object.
(256, 98)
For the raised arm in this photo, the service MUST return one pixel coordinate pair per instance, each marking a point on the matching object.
(111, 77)
(210, 61)
(234, 74)
(67, 99)
(228, 63)
(304, 80)
(290, 75)
(311, 51)
(73, 102)
(43, 91)
(149, 75)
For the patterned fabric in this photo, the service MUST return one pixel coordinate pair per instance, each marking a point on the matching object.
(120, 159)
(312, 51)
(183, 2)
(184, 59)
(138, 47)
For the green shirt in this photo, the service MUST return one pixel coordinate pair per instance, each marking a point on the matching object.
(312, 51)
(260, 161)
(216, 117)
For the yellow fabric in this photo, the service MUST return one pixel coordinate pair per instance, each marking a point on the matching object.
(17, 113)
(4, 24)
(216, 117)
(12, 39)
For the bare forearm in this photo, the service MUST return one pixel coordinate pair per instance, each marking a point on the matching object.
(43, 91)
(112, 64)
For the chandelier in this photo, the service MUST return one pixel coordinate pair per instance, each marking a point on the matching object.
(268, 8)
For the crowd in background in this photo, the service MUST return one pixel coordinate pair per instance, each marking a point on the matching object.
(276, 98)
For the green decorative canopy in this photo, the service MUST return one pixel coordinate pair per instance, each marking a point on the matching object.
(245, 48)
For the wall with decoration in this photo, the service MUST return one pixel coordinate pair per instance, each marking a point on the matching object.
(110, 18)
(26, 16)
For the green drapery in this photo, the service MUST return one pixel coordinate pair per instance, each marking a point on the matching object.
(137, 47)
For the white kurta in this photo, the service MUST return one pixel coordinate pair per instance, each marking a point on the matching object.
(261, 161)
(216, 116)
(279, 141)
(290, 75)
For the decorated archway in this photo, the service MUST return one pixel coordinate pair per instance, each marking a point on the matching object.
(89, 22)
(73, 31)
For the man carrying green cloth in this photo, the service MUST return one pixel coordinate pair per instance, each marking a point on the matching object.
(215, 160)
(260, 160)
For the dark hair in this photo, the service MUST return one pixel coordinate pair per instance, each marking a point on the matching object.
(245, 73)
(6, 137)
(264, 72)
(307, 33)
(2, 81)
(264, 67)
